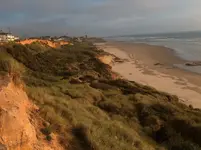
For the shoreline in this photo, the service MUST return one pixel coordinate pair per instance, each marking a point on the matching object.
(149, 55)
(142, 68)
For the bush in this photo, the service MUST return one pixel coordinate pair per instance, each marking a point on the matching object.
(37, 47)
(48, 138)
(9, 65)
(180, 144)
(46, 130)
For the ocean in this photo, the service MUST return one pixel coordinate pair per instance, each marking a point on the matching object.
(186, 45)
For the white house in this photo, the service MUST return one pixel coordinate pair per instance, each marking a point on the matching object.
(6, 37)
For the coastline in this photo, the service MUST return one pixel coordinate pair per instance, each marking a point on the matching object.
(154, 66)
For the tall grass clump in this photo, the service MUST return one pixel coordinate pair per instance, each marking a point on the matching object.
(10, 66)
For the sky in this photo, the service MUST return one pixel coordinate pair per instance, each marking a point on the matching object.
(99, 17)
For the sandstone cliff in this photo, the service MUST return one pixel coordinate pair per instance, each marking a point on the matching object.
(46, 42)
(17, 125)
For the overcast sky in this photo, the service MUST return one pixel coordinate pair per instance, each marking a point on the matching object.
(99, 17)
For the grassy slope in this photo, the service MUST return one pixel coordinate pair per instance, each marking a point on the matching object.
(99, 113)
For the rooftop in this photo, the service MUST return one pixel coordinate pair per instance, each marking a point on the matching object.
(3, 33)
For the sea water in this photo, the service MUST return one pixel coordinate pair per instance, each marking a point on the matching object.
(186, 45)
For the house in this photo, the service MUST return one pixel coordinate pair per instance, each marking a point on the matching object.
(61, 38)
(6, 37)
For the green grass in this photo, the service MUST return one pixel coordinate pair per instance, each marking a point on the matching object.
(99, 113)
(8, 64)
(37, 47)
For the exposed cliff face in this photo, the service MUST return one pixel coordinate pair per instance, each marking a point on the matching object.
(106, 59)
(47, 42)
(17, 131)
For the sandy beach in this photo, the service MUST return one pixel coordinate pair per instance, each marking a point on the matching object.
(154, 66)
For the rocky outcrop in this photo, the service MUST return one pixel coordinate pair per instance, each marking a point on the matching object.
(194, 63)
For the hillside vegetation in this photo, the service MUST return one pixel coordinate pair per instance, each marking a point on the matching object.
(90, 110)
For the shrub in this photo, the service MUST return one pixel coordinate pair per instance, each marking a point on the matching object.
(9, 65)
(46, 130)
(177, 143)
(48, 138)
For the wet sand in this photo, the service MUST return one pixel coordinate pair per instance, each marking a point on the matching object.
(154, 66)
